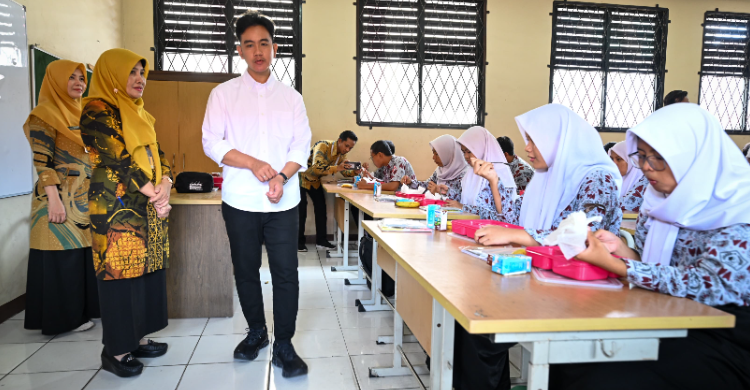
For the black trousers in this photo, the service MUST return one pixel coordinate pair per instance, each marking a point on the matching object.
(247, 232)
(479, 364)
(319, 207)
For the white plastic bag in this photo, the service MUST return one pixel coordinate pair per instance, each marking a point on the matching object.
(406, 190)
(571, 235)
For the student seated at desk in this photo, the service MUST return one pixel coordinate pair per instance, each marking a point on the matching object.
(634, 183)
(692, 242)
(391, 168)
(480, 196)
(451, 169)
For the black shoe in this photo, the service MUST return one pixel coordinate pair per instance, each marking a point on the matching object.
(325, 245)
(249, 348)
(150, 350)
(127, 367)
(287, 359)
(301, 247)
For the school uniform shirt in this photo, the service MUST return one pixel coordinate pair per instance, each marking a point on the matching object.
(633, 199)
(266, 121)
(323, 161)
(484, 206)
(454, 186)
(395, 170)
(522, 173)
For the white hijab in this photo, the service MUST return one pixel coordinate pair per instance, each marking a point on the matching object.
(572, 149)
(713, 178)
(450, 154)
(484, 146)
(633, 175)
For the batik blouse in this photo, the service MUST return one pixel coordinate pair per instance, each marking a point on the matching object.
(522, 173)
(484, 206)
(395, 170)
(633, 199)
(454, 186)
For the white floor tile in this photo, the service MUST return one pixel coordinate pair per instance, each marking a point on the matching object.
(363, 363)
(179, 352)
(182, 327)
(348, 298)
(319, 343)
(338, 285)
(54, 357)
(312, 285)
(314, 273)
(12, 332)
(234, 325)
(11, 355)
(152, 378)
(93, 334)
(220, 349)
(340, 274)
(318, 299)
(19, 316)
(323, 374)
(73, 380)
(226, 376)
(316, 319)
(350, 317)
(363, 341)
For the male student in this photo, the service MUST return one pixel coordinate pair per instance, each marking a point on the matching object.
(676, 96)
(326, 158)
(522, 171)
(257, 129)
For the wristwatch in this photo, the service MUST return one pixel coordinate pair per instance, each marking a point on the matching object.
(169, 179)
(286, 179)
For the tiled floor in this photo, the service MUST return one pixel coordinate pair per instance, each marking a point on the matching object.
(336, 341)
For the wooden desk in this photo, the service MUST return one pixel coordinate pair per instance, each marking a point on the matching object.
(199, 277)
(629, 214)
(554, 324)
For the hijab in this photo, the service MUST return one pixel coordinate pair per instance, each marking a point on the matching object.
(56, 107)
(484, 146)
(633, 175)
(450, 154)
(572, 149)
(713, 178)
(108, 83)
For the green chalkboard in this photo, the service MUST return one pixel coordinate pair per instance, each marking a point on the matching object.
(40, 59)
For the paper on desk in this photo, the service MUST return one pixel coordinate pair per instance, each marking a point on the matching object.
(406, 190)
(571, 235)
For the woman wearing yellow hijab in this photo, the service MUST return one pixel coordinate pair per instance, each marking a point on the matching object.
(129, 203)
(61, 290)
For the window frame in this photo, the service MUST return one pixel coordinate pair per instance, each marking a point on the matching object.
(481, 72)
(745, 71)
(230, 39)
(659, 64)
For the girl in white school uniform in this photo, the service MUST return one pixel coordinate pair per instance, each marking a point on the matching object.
(634, 183)
(692, 241)
(447, 155)
(479, 195)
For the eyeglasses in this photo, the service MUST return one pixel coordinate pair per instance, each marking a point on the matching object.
(656, 163)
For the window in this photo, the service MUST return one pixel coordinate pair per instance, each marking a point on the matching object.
(198, 36)
(420, 63)
(724, 69)
(607, 61)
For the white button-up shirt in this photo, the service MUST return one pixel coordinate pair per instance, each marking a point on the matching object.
(266, 121)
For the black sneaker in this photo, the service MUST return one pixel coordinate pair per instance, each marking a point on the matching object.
(127, 367)
(151, 350)
(325, 245)
(301, 247)
(287, 359)
(249, 348)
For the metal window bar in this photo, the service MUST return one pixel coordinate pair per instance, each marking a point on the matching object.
(725, 69)
(607, 61)
(198, 36)
(420, 63)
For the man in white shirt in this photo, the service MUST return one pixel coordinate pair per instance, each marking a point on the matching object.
(256, 128)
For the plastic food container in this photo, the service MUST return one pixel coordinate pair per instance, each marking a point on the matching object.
(469, 227)
(542, 256)
(578, 270)
(218, 181)
(427, 202)
(417, 197)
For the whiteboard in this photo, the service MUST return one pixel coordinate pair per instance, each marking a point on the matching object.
(15, 102)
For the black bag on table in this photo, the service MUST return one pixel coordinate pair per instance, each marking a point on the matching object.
(365, 254)
(194, 182)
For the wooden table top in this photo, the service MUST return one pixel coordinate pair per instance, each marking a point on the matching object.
(486, 302)
(203, 198)
(378, 210)
(627, 214)
(335, 188)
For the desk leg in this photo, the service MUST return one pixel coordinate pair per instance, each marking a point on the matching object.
(360, 277)
(375, 303)
(441, 357)
(338, 253)
(538, 368)
(346, 266)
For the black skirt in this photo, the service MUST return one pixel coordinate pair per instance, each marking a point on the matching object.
(61, 291)
(132, 309)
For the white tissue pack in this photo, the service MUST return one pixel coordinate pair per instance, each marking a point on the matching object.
(571, 235)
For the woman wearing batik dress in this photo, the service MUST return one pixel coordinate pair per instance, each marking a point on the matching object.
(129, 203)
(634, 183)
(61, 292)
(452, 167)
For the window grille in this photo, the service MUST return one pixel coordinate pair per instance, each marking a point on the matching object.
(420, 63)
(724, 69)
(198, 36)
(607, 61)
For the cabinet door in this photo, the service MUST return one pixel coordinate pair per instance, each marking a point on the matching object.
(160, 99)
(193, 97)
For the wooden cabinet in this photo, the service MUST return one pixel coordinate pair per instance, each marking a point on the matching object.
(179, 108)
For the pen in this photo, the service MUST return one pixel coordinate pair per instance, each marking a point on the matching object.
(123, 204)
